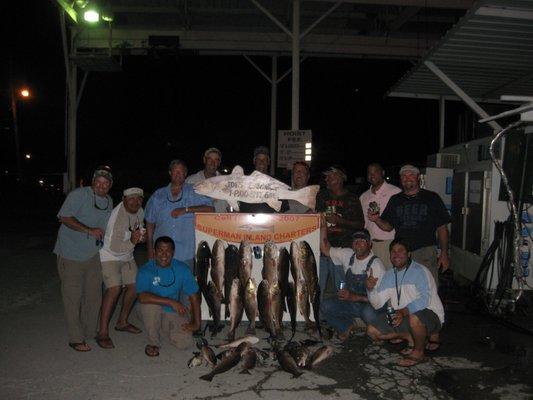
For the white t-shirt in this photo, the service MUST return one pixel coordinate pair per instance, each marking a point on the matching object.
(117, 244)
(342, 256)
(382, 197)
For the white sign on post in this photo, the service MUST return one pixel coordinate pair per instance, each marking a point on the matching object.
(294, 146)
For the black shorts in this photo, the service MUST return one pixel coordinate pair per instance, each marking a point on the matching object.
(428, 318)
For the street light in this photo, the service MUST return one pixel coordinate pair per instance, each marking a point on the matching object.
(22, 95)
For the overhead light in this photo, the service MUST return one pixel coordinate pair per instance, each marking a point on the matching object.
(25, 93)
(91, 15)
(28, 156)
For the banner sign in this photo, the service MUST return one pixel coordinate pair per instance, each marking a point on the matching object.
(257, 229)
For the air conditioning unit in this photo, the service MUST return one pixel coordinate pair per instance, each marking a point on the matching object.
(443, 160)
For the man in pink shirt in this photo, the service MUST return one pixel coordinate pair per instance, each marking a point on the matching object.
(378, 195)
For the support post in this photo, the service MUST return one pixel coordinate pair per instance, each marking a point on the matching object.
(273, 115)
(72, 118)
(295, 125)
(462, 95)
(442, 116)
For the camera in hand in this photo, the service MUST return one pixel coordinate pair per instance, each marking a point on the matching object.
(373, 207)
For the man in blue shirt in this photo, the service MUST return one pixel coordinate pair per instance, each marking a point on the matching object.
(170, 212)
(160, 285)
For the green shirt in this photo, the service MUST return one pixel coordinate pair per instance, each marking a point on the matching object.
(80, 204)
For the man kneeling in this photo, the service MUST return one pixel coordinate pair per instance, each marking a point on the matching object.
(409, 288)
(164, 287)
(351, 301)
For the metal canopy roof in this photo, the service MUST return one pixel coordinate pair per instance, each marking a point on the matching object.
(394, 29)
(488, 53)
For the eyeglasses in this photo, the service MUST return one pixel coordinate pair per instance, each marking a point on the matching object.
(96, 205)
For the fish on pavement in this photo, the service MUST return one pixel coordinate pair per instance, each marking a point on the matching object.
(237, 307)
(288, 363)
(196, 360)
(249, 359)
(250, 305)
(206, 352)
(254, 188)
(320, 355)
(225, 365)
(299, 352)
(249, 339)
(231, 271)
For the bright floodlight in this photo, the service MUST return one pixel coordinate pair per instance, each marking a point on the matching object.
(91, 16)
(28, 156)
(25, 93)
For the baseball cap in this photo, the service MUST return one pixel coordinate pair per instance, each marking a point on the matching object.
(361, 234)
(336, 169)
(261, 150)
(409, 168)
(104, 171)
(133, 191)
(213, 150)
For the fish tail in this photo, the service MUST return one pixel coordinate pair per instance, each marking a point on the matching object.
(207, 377)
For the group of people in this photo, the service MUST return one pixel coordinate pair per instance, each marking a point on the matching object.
(374, 249)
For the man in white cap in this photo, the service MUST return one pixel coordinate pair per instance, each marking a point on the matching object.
(125, 229)
(416, 214)
(212, 159)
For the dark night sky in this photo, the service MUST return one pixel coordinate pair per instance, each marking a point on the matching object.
(159, 109)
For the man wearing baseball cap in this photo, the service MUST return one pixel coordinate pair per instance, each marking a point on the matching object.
(83, 218)
(344, 216)
(351, 299)
(417, 214)
(124, 230)
(212, 159)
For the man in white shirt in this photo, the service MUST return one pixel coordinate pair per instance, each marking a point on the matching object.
(351, 301)
(125, 229)
(212, 160)
(378, 194)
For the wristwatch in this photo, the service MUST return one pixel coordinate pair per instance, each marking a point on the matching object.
(186, 210)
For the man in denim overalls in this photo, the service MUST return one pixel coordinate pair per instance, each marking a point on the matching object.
(351, 301)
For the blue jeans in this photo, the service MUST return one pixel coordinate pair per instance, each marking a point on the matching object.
(327, 268)
(341, 313)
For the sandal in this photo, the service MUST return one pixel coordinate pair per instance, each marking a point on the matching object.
(151, 351)
(104, 342)
(130, 328)
(432, 346)
(410, 361)
(82, 347)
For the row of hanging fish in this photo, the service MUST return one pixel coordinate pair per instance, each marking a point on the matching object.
(224, 275)
(292, 358)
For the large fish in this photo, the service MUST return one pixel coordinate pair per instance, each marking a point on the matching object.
(213, 302)
(237, 307)
(245, 262)
(217, 267)
(320, 355)
(254, 188)
(284, 266)
(226, 364)
(201, 267)
(300, 270)
(231, 271)
(249, 360)
(207, 352)
(264, 307)
(250, 304)
(271, 266)
(298, 351)
(292, 306)
(311, 278)
(288, 363)
(249, 339)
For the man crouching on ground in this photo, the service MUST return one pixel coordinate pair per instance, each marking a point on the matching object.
(410, 289)
(166, 288)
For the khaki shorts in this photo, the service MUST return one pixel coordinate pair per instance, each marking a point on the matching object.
(119, 273)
